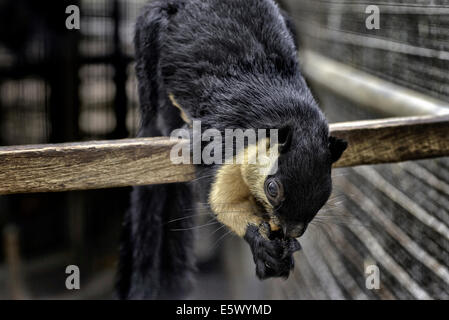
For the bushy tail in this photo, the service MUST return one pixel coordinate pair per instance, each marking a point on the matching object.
(156, 258)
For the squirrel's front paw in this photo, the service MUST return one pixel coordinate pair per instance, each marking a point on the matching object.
(273, 257)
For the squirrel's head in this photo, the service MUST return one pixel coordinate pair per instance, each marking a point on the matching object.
(302, 182)
(289, 196)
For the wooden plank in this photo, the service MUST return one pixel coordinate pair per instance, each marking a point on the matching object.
(89, 165)
(393, 140)
(119, 163)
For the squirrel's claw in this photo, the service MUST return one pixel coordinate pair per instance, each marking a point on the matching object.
(273, 257)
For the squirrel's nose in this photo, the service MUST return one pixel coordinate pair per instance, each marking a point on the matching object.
(296, 231)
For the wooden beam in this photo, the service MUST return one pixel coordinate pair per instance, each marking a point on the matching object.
(127, 162)
(393, 140)
(89, 165)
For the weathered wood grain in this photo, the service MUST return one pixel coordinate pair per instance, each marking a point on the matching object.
(89, 165)
(393, 140)
(119, 163)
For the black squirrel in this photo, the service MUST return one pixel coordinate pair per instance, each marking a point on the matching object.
(229, 64)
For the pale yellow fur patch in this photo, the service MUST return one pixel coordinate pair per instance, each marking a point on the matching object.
(235, 190)
(184, 116)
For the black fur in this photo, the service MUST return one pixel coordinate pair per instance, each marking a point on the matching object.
(230, 64)
(273, 254)
(156, 261)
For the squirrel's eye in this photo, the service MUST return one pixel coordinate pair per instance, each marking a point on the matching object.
(273, 190)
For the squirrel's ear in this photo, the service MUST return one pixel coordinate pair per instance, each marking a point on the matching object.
(285, 138)
(337, 147)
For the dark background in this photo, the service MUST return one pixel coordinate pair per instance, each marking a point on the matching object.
(60, 85)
